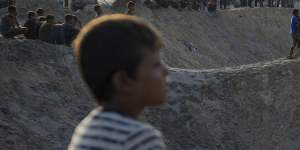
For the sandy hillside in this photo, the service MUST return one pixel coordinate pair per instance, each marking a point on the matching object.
(195, 40)
(232, 38)
(245, 107)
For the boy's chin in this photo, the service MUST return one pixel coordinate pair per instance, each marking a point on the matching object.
(157, 102)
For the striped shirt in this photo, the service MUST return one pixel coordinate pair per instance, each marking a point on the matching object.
(113, 131)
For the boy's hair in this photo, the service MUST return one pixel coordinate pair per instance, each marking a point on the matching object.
(68, 18)
(96, 7)
(40, 11)
(30, 14)
(130, 3)
(11, 9)
(111, 44)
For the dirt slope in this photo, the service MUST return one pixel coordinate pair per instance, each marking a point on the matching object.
(253, 107)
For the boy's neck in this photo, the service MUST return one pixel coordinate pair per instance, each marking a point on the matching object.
(131, 111)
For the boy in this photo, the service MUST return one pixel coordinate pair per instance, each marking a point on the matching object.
(119, 59)
(294, 31)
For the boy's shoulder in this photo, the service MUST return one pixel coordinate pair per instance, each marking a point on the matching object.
(115, 130)
(116, 120)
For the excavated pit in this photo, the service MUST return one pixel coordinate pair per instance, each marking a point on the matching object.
(253, 105)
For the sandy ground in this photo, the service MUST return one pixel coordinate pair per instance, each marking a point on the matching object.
(195, 40)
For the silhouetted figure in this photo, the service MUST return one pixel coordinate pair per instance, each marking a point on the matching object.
(66, 3)
(260, 2)
(11, 3)
(69, 30)
(270, 3)
(77, 5)
(223, 4)
(243, 3)
(203, 4)
(46, 29)
(40, 12)
(130, 8)
(9, 24)
(77, 22)
(31, 24)
(250, 3)
(98, 10)
(294, 31)
(212, 7)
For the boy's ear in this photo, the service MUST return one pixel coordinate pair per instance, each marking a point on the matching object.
(122, 82)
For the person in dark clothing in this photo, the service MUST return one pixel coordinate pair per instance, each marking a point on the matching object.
(66, 3)
(250, 3)
(212, 7)
(31, 24)
(69, 30)
(46, 29)
(260, 2)
(77, 23)
(223, 4)
(57, 34)
(294, 31)
(11, 3)
(9, 24)
(277, 3)
(98, 10)
(130, 7)
(40, 12)
(270, 3)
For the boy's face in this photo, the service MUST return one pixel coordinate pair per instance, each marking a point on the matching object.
(150, 80)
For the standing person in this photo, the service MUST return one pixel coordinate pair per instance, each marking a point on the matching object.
(212, 7)
(243, 3)
(69, 30)
(294, 31)
(119, 59)
(9, 24)
(46, 30)
(66, 3)
(98, 10)
(77, 23)
(250, 3)
(223, 4)
(40, 12)
(130, 8)
(261, 3)
(31, 24)
(270, 3)
(11, 2)
(203, 4)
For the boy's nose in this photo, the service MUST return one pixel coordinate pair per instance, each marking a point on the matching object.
(165, 69)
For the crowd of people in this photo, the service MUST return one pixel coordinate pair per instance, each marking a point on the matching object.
(42, 26)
